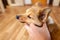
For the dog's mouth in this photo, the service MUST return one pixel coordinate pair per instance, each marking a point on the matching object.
(22, 22)
(38, 25)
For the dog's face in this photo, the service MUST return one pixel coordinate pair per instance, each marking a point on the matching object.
(35, 14)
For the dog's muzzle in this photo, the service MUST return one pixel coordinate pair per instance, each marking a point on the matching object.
(18, 18)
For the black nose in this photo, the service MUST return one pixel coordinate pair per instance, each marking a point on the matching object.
(17, 17)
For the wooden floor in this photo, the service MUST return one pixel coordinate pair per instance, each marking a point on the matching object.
(10, 27)
(55, 14)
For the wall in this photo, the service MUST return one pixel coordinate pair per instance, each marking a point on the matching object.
(19, 2)
(56, 2)
(47, 1)
(28, 2)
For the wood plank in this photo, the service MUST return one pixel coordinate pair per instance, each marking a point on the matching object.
(55, 14)
(12, 29)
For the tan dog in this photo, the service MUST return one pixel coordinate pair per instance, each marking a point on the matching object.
(36, 15)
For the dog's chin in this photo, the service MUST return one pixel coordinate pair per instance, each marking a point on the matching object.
(22, 22)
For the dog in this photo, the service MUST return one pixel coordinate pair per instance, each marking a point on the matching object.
(35, 14)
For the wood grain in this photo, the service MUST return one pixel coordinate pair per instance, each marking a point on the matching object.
(12, 29)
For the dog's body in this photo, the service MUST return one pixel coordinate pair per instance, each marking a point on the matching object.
(36, 15)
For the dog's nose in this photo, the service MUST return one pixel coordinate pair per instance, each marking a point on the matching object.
(17, 17)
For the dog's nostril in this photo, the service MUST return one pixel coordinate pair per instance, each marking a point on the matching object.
(17, 17)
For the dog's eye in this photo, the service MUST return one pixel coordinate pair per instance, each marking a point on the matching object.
(29, 17)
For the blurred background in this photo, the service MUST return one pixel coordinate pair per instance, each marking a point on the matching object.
(12, 29)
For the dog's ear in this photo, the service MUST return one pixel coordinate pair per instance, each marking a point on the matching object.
(43, 16)
(46, 13)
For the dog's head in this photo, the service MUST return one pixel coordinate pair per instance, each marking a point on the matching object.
(36, 14)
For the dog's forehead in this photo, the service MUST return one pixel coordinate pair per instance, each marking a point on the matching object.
(33, 10)
(29, 11)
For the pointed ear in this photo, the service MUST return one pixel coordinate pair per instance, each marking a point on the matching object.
(46, 13)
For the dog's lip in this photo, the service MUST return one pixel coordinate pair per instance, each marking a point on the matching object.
(38, 25)
(22, 22)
